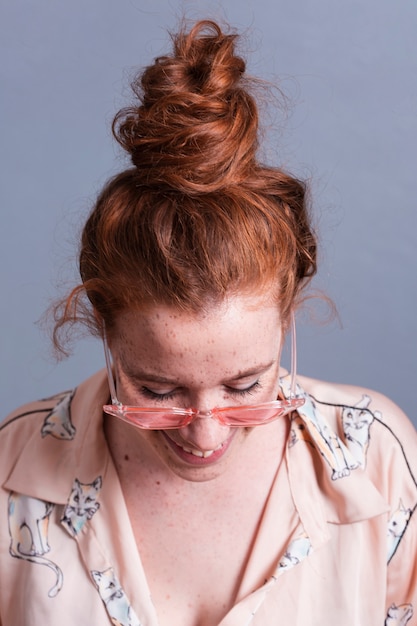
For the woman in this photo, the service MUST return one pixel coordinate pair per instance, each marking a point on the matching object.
(211, 488)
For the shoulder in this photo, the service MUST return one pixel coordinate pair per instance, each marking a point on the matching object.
(29, 415)
(335, 397)
(377, 432)
(49, 415)
(52, 419)
(54, 414)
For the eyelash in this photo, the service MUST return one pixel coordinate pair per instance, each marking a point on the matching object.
(248, 391)
(161, 397)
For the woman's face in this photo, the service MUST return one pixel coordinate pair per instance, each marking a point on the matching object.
(227, 356)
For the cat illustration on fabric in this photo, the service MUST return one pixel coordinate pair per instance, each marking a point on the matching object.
(298, 431)
(58, 422)
(311, 427)
(397, 524)
(28, 529)
(357, 421)
(115, 599)
(82, 505)
(296, 551)
(399, 615)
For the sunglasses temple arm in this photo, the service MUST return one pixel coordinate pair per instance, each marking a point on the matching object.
(109, 371)
(293, 357)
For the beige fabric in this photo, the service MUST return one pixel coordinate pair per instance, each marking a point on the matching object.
(336, 514)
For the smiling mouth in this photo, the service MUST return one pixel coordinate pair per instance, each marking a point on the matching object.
(187, 452)
(200, 453)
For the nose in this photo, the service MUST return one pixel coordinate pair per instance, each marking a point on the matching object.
(205, 432)
(204, 403)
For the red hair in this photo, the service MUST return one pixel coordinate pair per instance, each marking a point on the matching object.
(197, 217)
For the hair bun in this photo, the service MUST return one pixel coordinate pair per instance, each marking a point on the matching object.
(195, 126)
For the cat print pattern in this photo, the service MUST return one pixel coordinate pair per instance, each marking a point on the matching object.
(82, 505)
(397, 525)
(399, 615)
(114, 598)
(308, 425)
(357, 421)
(28, 528)
(58, 422)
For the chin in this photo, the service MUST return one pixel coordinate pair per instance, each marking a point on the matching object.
(197, 475)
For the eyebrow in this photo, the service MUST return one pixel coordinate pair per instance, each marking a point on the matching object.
(253, 371)
(150, 378)
(156, 378)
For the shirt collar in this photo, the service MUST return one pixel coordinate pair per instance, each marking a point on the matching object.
(67, 443)
(326, 479)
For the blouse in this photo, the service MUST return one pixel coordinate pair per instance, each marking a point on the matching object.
(346, 550)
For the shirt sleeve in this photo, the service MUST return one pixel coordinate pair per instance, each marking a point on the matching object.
(398, 458)
(402, 579)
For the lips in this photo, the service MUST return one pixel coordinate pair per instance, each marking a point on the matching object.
(195, 456)
(200, 453)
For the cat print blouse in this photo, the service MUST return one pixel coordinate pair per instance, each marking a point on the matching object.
(339, 523)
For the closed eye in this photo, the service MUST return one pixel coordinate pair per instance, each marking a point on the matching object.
(159, 397)
(246, 390)
(169, 395)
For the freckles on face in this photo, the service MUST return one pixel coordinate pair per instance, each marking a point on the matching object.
(196, 354)
(226, 356)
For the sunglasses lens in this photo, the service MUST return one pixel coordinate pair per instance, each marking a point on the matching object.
(150, 420)
(258, 415)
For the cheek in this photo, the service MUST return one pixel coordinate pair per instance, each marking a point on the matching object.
(270, 385)
(273, 390)
(151, 445)
(124, 394)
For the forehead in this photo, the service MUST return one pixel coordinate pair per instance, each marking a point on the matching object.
(236, 312)
(237, 328)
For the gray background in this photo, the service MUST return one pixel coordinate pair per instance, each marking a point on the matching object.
(349, 68)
